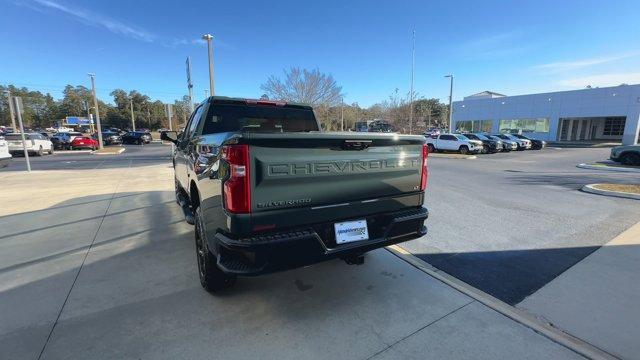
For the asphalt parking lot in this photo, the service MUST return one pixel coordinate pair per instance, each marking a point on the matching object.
(509, 223)
(99, 264)
(134, 155)
(506, 223)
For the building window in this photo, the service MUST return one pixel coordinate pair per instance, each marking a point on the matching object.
(474, 126)
(614, 126)
(538, 125)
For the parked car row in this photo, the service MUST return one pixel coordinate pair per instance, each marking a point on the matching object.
(73, 140)
(482, 143)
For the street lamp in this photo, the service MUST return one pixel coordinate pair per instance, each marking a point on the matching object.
(208, 38)
(95, 104)
(450, 100)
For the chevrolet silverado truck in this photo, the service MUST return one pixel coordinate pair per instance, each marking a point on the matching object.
(268, 191)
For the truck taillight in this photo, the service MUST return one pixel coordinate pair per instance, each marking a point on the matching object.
(237, 188)
(424, 171)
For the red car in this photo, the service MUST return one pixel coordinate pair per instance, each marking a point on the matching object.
(84, 142)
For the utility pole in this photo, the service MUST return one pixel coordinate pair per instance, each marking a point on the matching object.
(95, 104)
(450, 100)
(208, 38)
(13, 117)
(190, 85)
(413, 65)
(17, 103)
(169, 111)
(133, 119)
(341, 114)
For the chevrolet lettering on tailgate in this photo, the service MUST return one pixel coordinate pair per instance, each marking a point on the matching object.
(338, 167)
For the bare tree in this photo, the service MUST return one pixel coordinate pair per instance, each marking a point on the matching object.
(305, 86)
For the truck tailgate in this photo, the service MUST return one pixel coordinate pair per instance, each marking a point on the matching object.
(331, 169)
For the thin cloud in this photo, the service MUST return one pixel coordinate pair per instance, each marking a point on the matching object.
(495, 45)
(578, 64)
(93, 19)
(610, 79)
(175, 42)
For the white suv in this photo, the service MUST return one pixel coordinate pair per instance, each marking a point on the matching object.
(454, 142)
(5, 157)
(36, 144)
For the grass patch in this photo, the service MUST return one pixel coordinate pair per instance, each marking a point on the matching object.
(631, 189)
(109, 150)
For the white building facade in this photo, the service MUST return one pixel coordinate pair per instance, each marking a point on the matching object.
(595, 114)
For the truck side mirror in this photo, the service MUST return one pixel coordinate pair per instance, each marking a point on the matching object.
(169, 136)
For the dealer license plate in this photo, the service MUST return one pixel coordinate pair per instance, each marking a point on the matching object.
(351, 231)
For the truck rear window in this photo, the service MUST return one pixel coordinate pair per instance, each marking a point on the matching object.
(258, 118)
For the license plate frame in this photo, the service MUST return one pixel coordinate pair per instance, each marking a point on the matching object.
(351, 231)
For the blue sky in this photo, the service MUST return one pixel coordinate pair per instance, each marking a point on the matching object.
(512, 47)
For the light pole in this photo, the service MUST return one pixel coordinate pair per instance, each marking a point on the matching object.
(450, 100)
(133, 119)
(413, 65)
(13, 117)
(208, 38)
(95, 105)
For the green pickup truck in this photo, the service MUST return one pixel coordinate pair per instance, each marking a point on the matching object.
(268, 191)
(626, 154)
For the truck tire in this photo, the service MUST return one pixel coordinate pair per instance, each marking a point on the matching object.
(212, 278)
(463, 149)
(431, 148)
(630, 159)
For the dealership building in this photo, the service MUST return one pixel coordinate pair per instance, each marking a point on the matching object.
(592, 114)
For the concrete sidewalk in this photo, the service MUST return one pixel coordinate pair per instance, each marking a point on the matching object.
(597, 300)
(104, 268)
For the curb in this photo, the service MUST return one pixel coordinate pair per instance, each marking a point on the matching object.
(607, 168)
(71, 152)
(589, 188)
(120, 151)
(545, 329)
(453, 156)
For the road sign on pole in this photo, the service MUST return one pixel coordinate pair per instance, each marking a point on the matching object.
(190, 85)
(17, 102)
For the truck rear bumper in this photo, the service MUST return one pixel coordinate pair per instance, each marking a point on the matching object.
(270, 252)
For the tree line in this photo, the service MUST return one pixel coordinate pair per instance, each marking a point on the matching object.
(41, 110)
(325, 95)
(297, 85)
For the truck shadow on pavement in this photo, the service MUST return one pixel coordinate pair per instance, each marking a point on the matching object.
(89, 277)
(509, 275)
